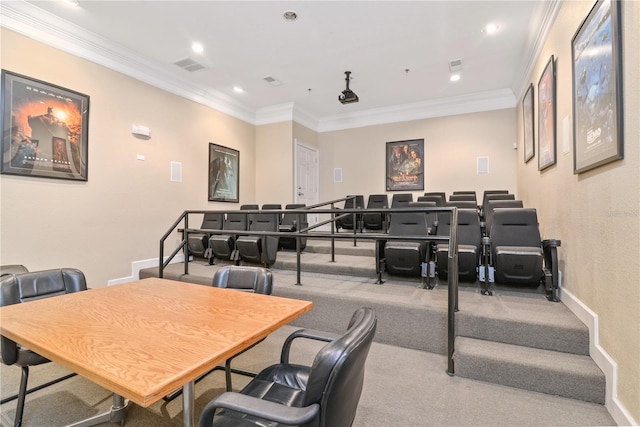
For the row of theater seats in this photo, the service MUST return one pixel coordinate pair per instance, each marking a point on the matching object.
(379, 221)
(498, 241)
(248, 248)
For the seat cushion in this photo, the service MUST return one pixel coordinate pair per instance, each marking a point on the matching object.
(518, 264)
(405, 258)
(284, 384)
(222, 246)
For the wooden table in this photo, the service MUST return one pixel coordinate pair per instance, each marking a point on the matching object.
(145, 339)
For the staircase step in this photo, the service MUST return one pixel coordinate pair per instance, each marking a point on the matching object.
(342, 247)
(313, 262)
(551, 372)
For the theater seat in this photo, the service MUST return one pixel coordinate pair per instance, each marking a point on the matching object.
(404, 258)
(469, 244)
(199, 242)
(347, 223)
(223, 246)
(290, 223)
(260, 249)
(376, 221)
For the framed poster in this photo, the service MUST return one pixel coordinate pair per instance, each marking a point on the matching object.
(547, 116)
(405, 165)
(224, 174)
(44, 129)
(596, 54)
(528, 124)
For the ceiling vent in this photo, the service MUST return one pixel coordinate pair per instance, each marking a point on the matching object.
(190, 65)
(272, 81)
(455, 65)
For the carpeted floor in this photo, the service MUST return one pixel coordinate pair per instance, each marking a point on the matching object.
(403, 387)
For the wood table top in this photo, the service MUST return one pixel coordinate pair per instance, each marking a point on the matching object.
(146, 339)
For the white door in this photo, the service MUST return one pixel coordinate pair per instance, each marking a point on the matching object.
(306, 177)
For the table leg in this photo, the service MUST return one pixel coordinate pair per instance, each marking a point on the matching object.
(117, 413)
(188, 403)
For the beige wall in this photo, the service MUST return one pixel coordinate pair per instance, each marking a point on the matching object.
(595, 213)
(274, 163)
(120, 213)
(451, 144)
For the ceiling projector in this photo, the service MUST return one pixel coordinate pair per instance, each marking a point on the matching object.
(348, 96)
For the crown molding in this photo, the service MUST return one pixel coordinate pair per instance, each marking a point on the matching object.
(44, 27)
(472, 103)
(548, 11)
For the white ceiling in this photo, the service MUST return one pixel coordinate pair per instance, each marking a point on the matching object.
(398, 51)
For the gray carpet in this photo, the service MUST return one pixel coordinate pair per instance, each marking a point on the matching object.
(403, 387)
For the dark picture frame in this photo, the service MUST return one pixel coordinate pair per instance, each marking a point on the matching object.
(224, 174)
(405, 165)
(596, 59)
(547, 116)
(45, 129)
(528, 124)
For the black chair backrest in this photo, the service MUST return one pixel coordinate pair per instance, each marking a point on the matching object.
(264, 222)
(236, 221)
(436, 199)
(408, 223)
(337, 374)
(244, 278)
(354, 203)
(273, 207)
(462, 197)
(378, 201)
(34, 285)
(463, 204)
(464, 192)
(469, 232)
(440, 194)
(401, 200)
(515, 227)
(212, 221)
(491, 192)
(492, 205)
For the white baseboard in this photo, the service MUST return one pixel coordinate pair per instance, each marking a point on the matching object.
(605, 362)
(136, 266)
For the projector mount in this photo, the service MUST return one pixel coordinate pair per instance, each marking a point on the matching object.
(348, 96)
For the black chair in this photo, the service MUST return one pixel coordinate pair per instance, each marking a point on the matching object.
(347, 223)
(290, 223)
(439, 194)
(260, 249)
(376, 221)
(518, 254)
(469, 244)
(463, 204)
(405, 258)
(273, 207)
(399, 200)
(223, 246)
(199, 242)
(325, 394)
(492, 205)
(20, 288)
(12, 269)
(463, 197)
(432, 198)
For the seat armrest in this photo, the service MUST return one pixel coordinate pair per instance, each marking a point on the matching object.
(551, 243)
(259, 408)
(308, 334)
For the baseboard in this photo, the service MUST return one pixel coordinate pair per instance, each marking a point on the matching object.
(136, 266)
(599, 355)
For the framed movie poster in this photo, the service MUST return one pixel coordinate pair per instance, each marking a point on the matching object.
(224, 174)
(596, 55)
(405, 165)
(547, 116)
(528, 124)
(44, 129)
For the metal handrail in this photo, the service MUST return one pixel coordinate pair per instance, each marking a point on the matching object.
(452, 239)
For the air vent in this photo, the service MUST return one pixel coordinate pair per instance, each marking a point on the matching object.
(272, 81)
(455, 65)
(190, 65)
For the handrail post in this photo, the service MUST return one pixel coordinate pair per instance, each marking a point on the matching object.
(452, 292)
(185, 235)
(298, 244)
(333, 230)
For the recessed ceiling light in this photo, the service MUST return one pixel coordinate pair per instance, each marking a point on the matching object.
(238, 89)
(454, 77)
(197, 47)
(490, 29)
(290, 16)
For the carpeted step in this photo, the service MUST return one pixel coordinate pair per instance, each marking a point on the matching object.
(342, 247)
(311, 262)
(562, 374)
